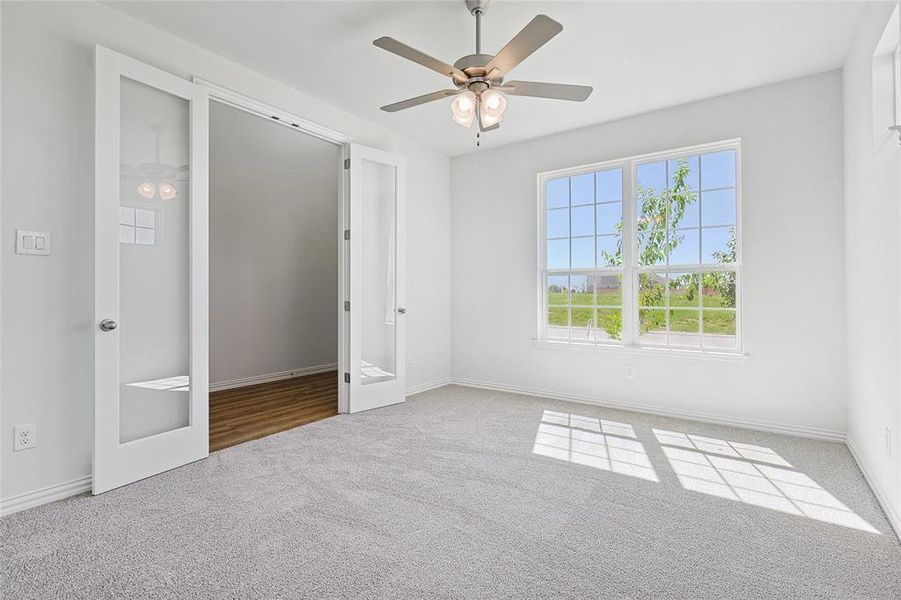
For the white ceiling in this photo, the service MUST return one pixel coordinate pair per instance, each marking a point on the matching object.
(638, 56)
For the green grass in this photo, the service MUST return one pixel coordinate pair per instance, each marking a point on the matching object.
(685, 321)
(606, 319)
(558, 316)
(711, 299)
(654, 319)
(719, 321)
(684, 309)
(605, 298)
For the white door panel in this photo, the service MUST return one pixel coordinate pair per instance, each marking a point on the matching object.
(377, 260)
(151, 266)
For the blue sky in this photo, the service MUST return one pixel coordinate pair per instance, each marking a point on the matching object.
(591, 204)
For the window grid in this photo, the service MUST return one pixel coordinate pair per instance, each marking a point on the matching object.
(629, 270)
(705, 340)
(585, 327)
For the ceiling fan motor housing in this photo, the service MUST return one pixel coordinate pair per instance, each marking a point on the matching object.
(474, 67)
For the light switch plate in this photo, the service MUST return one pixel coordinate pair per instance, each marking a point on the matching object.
(32, 242)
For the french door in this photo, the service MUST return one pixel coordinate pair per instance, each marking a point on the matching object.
(151, 266)
(377, 313)
(151, 294)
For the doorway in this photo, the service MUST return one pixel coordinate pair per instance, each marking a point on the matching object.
(152, 271)
(274, 213)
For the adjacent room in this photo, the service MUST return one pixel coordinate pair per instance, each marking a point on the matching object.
(274, 208)
(450, 299)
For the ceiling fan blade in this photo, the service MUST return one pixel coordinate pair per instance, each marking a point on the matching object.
(557, 91)
(410, 102)
(533, 36)
(404, 51)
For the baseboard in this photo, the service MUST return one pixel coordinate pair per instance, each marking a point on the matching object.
(796, 430)
(891, 514)
(269, 377)
(52, 493)
(428, 386)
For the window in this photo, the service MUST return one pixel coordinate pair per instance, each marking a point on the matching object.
(643, 251)
(887, 79)
(137, 226)
(583, 248)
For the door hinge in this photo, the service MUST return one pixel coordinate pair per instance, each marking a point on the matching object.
(347, 378)
(346, 163)
(347, 305)
(347, 234)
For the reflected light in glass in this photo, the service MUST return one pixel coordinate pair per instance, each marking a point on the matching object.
(167, 191)
(179, 383)
(147, 190)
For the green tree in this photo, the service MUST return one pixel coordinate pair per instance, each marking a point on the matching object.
(722, 282)
(660, 214)
(657, 234)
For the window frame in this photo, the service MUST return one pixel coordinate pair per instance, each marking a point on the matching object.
(629, 271)
(885, 66)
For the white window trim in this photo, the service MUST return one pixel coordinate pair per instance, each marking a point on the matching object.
(629, 344)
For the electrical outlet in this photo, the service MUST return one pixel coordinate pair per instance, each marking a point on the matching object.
(888, 442)
(25, 436)
(630, 372)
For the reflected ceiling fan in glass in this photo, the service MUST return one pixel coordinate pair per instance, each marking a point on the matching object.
(480, 92)
(156, 179)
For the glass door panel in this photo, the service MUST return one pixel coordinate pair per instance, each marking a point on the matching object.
(154, 261)
(376, 349)
(378, 301)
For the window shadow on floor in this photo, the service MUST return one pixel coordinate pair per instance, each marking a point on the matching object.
(735, 471)
(592, 442)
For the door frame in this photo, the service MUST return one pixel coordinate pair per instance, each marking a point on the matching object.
(295, 122)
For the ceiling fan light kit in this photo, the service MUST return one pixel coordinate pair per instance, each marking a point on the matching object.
(480, 92)
(156, 178)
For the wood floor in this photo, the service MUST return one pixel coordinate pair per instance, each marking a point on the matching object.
(248, 413)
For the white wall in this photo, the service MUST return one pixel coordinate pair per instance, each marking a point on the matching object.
(274, 200)
(793, 271)
(872, 195)
(47, 185)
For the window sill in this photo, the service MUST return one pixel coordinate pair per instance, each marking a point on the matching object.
(696, 355)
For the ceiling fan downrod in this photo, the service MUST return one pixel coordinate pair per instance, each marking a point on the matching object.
(477, 8)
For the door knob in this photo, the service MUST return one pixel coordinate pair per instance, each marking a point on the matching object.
(401, 311)
(108, 325)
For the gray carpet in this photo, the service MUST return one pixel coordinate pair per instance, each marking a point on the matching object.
(449, 496)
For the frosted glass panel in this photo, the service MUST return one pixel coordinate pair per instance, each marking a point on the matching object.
(378, 239)
(154, 326)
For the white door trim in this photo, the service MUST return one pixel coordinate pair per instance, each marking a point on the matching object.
(293, 121)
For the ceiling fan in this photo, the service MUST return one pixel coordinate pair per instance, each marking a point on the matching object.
(156, 179)
(479, 86)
